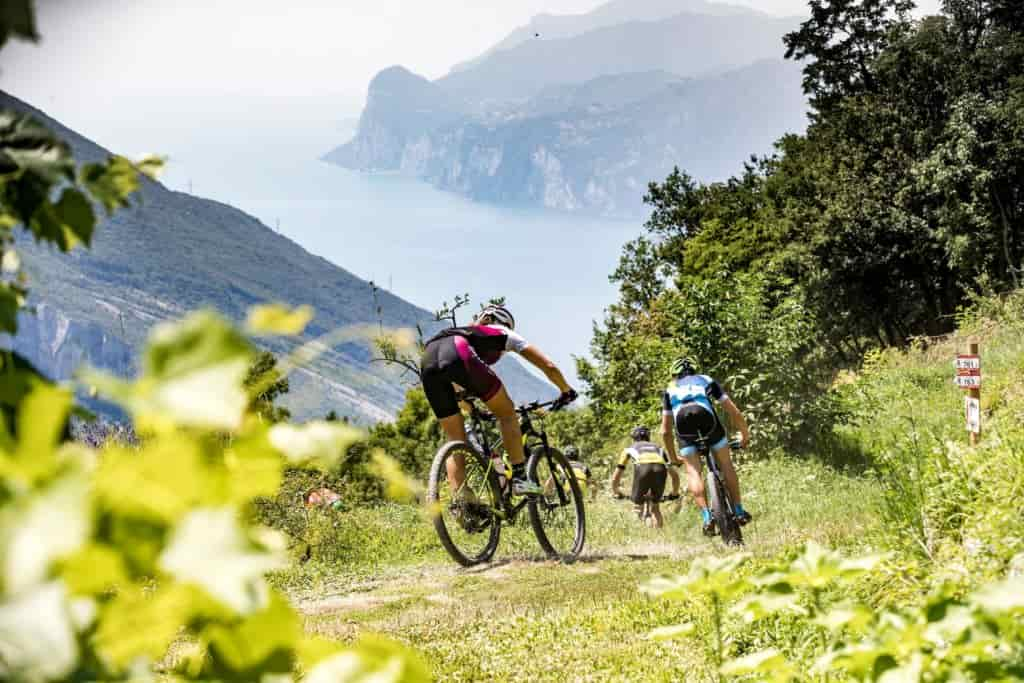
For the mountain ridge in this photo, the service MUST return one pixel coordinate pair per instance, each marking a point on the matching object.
(547, 26)
(591, 147)
(685, 44)
(555, 123)
(172, 252)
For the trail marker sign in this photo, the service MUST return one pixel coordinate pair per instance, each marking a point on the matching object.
(972, 407)
(968, 371)
(968, 376)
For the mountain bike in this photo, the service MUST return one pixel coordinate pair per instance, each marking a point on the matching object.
(468, 519)
(726, 524)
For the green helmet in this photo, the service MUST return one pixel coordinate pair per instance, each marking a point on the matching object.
(684, 366)
(572, 453)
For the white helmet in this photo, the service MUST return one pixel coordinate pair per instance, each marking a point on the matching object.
(500, 314)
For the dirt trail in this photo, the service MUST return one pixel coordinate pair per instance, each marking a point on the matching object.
(445, 583)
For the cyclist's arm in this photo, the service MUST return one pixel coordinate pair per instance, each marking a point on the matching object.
(545, 365)
(620, 467)
(668, 437)
(674, 474)
(616, 478)
(736, 418)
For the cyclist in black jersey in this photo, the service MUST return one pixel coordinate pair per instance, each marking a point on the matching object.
(462, 356)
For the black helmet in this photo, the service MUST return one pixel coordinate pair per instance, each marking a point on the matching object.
(681, 367)
(641, 433)
(572, 453)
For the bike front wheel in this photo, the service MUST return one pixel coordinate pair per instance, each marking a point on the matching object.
(721, 509)
(557, 515)
(465, 515)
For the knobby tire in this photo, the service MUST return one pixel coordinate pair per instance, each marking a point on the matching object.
(540, 512)
(721, 509)
(438, 493)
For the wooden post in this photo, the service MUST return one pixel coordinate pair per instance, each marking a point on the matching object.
(975, 393)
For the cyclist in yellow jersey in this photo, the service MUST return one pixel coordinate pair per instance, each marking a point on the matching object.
(644, 512)
(650, 473)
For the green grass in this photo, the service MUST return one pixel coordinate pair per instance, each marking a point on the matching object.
(530, 619)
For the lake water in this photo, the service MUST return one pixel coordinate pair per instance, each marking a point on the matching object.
(429, 245)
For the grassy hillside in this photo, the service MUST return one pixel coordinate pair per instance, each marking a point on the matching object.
(948, 518)
(173, 252)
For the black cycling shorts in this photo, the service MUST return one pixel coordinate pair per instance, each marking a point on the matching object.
(649, 478)
(696, 426)
(451, 360)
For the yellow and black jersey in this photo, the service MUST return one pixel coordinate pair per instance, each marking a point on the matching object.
(643, 453)
(581, 471)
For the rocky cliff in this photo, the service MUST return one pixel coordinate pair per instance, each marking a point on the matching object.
(582, 113)
(59, 345)
(591, 147)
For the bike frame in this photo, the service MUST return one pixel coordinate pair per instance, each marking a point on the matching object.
(532, 438)
(711, 462)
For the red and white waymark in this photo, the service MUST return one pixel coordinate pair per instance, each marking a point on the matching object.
(968, 371)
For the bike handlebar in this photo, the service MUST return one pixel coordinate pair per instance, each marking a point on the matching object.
(554, 404)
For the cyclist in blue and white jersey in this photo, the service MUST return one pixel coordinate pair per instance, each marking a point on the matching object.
(688, 414)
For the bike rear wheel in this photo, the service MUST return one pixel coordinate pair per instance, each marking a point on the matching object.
(557, 515)
(721, 509)
(466, 520)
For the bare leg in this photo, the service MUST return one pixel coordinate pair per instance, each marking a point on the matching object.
(732, 482)
(508, 421)
(694, 481)
(656, 514)
(455, 430)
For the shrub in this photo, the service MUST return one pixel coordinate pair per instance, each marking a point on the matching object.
(113, 556)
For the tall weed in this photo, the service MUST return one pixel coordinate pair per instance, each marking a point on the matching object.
(956, 505)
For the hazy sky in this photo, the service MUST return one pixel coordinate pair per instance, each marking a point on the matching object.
(97, 53)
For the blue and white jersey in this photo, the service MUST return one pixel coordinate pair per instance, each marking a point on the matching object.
(699, 389)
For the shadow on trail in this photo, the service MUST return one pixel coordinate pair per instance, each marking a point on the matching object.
(541, 560)
(633, 557)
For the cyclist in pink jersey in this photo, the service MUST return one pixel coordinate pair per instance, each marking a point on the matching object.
(462, 356)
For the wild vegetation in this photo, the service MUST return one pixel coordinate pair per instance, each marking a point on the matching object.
(873, 228)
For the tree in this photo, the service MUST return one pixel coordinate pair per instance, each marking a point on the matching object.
(412, 439)
(265, 385)
(842, 40)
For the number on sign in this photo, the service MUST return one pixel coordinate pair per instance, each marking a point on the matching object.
(968, 362)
